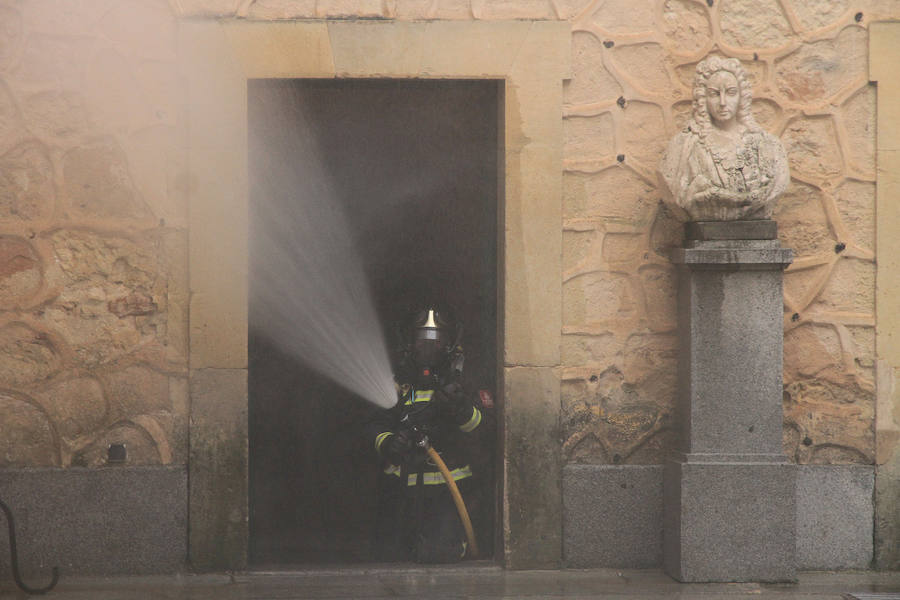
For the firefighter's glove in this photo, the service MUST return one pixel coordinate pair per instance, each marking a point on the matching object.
(454, 403)
(398, 447)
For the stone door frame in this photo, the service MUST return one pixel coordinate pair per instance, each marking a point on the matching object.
(532, 57)
(884, 55)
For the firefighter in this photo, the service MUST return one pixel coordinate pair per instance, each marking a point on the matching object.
(417, 519)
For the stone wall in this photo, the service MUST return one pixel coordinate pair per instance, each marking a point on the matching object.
(93, 186)
(93, 254)
(630, 91)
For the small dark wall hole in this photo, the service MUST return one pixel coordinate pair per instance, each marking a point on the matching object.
(416, 165)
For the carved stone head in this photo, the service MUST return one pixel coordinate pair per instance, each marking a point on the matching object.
(722, 73)
(723, 166)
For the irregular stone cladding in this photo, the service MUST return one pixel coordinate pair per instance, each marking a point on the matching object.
(93, 187)
(93, 252)
(630, 90)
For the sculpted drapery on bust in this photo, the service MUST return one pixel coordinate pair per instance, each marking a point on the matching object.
(723, 166)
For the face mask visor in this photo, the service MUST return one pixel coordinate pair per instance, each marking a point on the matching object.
(429, 339)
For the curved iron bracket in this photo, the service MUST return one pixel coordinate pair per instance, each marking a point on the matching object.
(14, 558)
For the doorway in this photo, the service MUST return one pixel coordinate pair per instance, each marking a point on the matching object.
(413, 166)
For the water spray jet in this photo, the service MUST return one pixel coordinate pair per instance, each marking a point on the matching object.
(299, 233)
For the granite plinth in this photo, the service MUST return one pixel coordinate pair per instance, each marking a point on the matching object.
(729, 494)
(729, 522)
(114, 520)
(835, 516)
(613, 516)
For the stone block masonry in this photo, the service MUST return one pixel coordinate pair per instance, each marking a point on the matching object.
(94, 180)
(835, 506)
(613, 516)
(115, 520)
(92, 236)
(108, 118)
(633, 63)
(730, 521)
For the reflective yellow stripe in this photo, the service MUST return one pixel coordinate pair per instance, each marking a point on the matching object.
(380, 439)
(431, 477)
(473, 422)
(420, 396)
(435, 477)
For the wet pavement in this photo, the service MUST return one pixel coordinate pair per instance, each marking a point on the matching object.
(457, 582)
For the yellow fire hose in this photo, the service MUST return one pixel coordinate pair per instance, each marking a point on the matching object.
(457, 498)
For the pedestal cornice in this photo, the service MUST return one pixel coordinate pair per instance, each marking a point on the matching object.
(733, 254)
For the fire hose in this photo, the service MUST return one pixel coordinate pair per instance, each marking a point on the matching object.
(14, 558)
(454, 491)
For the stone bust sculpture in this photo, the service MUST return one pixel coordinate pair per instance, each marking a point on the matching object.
(723, 166)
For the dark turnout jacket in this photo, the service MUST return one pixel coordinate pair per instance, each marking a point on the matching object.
(455, 435)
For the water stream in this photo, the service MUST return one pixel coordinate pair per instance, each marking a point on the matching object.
(299, 233)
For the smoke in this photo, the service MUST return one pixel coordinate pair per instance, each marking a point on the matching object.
(299, 233)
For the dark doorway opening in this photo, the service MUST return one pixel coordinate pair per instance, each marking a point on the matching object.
(415, 166)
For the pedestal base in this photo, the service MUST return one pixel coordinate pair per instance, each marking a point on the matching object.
(729, 521)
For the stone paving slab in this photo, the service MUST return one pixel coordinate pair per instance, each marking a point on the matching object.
(459, 583)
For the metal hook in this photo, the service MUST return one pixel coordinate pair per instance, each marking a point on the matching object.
(14, 558)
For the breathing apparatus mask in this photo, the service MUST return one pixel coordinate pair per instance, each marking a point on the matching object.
(430, 343)
(431, 351)
(432, 358)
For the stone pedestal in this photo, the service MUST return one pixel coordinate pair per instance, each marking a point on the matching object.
(729, 491)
